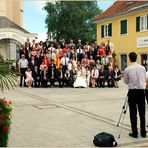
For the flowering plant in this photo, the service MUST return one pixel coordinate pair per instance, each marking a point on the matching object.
(5, 120)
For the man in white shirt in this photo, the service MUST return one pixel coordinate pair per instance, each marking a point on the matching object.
(51, 48)
(22, 68)
(64, 61)
(105, 61)
(135, 78)
(146, 92)
(79, 53)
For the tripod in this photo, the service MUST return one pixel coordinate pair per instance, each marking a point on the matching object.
(123, 112)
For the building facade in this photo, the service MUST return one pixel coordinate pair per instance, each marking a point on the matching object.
(12, 35)
(126, 22)
(12, 9)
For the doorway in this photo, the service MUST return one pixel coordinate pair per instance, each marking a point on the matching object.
(144, 60)
(123, 61)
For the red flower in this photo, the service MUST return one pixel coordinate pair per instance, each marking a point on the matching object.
(1, 116)
(7, 116)
(5, 102)
(5, 128)
(10, 102)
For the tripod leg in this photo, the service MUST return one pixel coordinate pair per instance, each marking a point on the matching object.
(123, 108)
(123, 120)
(120, 117)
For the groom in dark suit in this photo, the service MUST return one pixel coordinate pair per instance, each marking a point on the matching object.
(61, 76)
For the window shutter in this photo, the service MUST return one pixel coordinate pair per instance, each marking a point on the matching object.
(137, 24)
(110, 30)
(102, 31)
(123, 24)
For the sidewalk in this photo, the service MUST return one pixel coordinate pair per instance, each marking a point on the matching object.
(68, 117)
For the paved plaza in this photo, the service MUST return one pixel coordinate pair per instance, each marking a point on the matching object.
(68, 117)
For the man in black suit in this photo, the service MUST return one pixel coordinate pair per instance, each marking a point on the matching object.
(52, 75)
(28, 44)
(52, 65)
(110, 76)
(55, 44)
(36, 76)
(67, 78)
(38, 60)
(28, 55)
(72, 75)
(63, 44)
(44, 76)
(32, 63)
(61, 76)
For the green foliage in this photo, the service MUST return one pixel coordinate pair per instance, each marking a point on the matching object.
(114, 55)
(72, 19)
(5, 121)
(7, 77)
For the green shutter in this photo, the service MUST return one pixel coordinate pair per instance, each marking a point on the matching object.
(137, 24)
(123, 27)
(110, 30)
(102, 31)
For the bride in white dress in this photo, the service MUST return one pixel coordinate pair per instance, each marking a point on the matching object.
(79, 82)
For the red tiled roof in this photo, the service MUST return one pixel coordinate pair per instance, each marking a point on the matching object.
(119, 7)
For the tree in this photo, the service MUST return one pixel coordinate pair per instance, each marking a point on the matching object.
(72, 19)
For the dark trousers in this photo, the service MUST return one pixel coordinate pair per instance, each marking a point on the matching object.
(44, 82)
(146, 93)
(136, 100)
(23, 75)
(37, 82)
(68, 81)
(101, 82)
(110, 82)
(61, 82)
(52, 81)
(64, 67)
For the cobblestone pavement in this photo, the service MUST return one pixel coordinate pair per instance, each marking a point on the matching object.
(68, 117)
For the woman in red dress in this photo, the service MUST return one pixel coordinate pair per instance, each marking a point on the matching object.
(102, 49)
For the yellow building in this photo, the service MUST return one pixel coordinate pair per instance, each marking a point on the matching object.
(12, 9)
(126, 22)
(12, 35)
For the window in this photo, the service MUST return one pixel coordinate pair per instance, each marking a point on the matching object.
(142, 23)
(106, 30)
(123, 26)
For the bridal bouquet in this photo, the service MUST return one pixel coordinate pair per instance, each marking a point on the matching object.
(5, 120)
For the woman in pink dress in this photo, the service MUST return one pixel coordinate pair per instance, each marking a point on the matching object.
(33, 52)
(29, 78)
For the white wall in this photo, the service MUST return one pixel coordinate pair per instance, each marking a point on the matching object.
(8, 50)
(2, 50)
(12, 52)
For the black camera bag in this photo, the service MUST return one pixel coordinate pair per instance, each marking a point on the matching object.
(104, 140)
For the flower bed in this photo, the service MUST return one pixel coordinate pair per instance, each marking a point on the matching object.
(5, 120)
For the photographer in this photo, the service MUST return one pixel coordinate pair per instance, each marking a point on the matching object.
(135, 77)
(146, 92)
